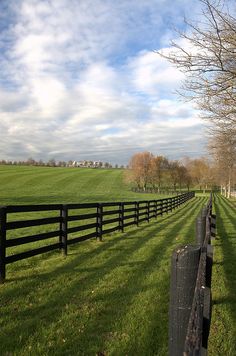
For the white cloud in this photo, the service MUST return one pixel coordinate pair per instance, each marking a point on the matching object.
(152, 74)
(71, 92)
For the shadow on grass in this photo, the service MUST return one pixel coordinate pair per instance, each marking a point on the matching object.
(96, 300)
(110, 243)
(226, 225)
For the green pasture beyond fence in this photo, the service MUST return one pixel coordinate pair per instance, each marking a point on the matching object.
(70, 224)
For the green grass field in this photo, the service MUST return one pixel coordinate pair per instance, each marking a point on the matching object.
(223, 328)
(40, 185)
(108, 298)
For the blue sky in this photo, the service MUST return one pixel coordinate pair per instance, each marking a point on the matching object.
(80, 79)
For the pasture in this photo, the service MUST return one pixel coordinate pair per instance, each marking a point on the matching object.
(110, 297)
(44, 185)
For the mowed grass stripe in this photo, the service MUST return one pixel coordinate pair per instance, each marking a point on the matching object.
(94, 300)
(42, 185)
(223, 330)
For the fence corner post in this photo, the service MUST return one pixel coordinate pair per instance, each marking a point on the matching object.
(184, 267)
(64, 227)
(3, 220)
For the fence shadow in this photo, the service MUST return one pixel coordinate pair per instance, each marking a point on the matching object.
(226, 226)
(94, 293)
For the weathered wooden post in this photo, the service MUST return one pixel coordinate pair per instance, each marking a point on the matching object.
(184, 267)
(200, 229)
(64, 228)
(3, 221)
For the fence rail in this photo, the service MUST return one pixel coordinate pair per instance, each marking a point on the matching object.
(190, 300)
(89, 220)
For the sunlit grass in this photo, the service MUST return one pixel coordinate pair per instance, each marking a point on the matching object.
(44, 185)
(108, 298)
(223, 328)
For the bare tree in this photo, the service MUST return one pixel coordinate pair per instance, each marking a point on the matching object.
(141, 164)
(223, 148)
(159, 165)
(207, 56)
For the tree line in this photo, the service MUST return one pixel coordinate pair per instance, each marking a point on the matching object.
(158, 173)
(53, 163)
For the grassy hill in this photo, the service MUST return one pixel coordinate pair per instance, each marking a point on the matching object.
(38, 185)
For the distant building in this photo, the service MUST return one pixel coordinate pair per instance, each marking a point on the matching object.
(89, 164)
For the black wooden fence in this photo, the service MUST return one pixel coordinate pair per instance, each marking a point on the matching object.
(190, 300)
(86, 221)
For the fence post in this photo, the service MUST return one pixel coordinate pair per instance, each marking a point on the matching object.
(200, 229)
(99, 221)
(213, 226)
(155, 209)
(137, 212)
(60, 236)
(148, 211)
(3, 220)
(64, 228)
(184, 267)
(121, 217)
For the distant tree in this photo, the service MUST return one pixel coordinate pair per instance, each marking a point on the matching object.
(30, 162)
(174, 174)
(141, 166)
(41, 163)
(200, 171)
(51, 163)
(159, 166)
(61, 164)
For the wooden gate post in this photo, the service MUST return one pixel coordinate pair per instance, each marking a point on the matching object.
(184, 267)
(3, 220)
